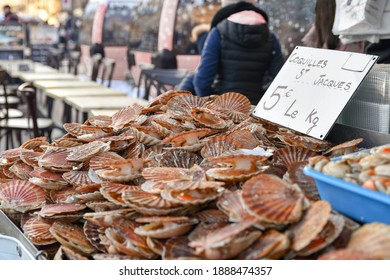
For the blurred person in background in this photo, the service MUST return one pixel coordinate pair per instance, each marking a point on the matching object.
(229, 8)
(320, 34)
(9, 16)
(239, 53)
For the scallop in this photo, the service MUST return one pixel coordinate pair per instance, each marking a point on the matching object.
(93, 232)
(77, 178)
(211, 216)
(271, 199)
(121, 170)
(146, 138)
(180, 106)
(54, 159)
(289, 155)
(179, 159)
(52, 210)
(372, 239)
(192, 196)
(235, 105)
(306, 184)
(217, 145)
(21, 196)
(344, 148)
(232, 204)
(207, 118)
(99, 121)
(167, 96)
(113, 192)
(166, 174)
(124, 116)
(314, 220)
(177, 249)
(37, 231)
(35, 144)
(87, 151)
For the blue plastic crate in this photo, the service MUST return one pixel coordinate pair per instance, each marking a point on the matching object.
(361, 204)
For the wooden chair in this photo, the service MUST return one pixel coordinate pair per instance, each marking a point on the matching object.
(96, 61)
(108, 67)
(74, 61)
(30, 123)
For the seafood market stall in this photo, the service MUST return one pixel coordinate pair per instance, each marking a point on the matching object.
(182, 177)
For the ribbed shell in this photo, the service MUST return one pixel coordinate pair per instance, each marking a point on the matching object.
(85, 132)
(211, 216)
(142, 198)
(192, 196)
(35, 144)
(21, 170)
(163, 230)
(95, 162)
(77, 178)
(344, 148)
(30, 157)
(9, 157)
(124, 116)
(92, 232)
(166, 174)
(187, 138)
(113, 192)
(329, 234)
(289, 155)
(167, 96)
(54, 159)
(87, 151)
(177, 249)
(306, 184)
(37, 231)
(21, 196)
(50, 210)
(232, 204)
(181, 105)
(314, 220)
(145, 138)
(236, 105)
(121, 170)
(216, 146)
(305, 142)
(179, 159)
(270, 245)
(243, 139)
(207, 118)
(271, 199)
(71, 235)
(372, 239)
(99, 121)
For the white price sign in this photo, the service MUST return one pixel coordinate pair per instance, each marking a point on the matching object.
(312, 89)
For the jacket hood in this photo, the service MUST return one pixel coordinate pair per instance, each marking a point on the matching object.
(244, 34)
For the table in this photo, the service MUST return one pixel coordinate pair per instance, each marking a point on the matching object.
(61, 93)
(50, 84)
(32, 77)
(103, 112)
(85, 104)
(12, 67)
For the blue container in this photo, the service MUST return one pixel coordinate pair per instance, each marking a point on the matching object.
(361, 204)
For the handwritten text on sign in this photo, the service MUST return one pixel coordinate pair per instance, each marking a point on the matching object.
(312, 89)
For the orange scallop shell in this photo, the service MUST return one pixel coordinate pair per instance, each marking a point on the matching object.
(30, 157)
(85, 132)
(9, 157)
(187, 138)
(232, 204)
(207, 118)
(211, 216)
(50, 210)
(21, 170)
(87, 151)
(99, 121)
(54, 159)
(306, 184)
(37, 231)
(179, 159)
(217, 145)
(21, 196)
(167, 96)
(181, 105)
(35, 144)
(77, 178)
(372, 239)
(272, 199)
(166, 174)
(289, 155)
(304, 142)
(192, 196)
(346, 254)
(92, 232)
(150, 200)
(124, 116)
(236, 105)
(113, 192)
(243, 139)
(270, 245)
(177, 249)
(344, 148)
(314, 220)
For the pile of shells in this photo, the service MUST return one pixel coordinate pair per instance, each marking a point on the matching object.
(183, 178)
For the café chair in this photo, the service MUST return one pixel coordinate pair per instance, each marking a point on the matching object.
(108, 67)
(96, 62)
(30, 124)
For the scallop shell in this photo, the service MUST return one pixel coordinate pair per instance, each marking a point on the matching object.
(306, 184)
(270, 245)
(211, 216)
(124, 116)
(155, 245)
(70, 235)
(243, 139)
(329, 234)
(203, 229)
(166, 174)
(30, 157)
(304, 142)
(8, 173)
(70, 254)
(217, 145)
(179, 159)
(236, 167)
(67, 142)
(87, 151)
(113, 192)
(51, 210)
(35, 144)
(145, 138)
(92, 232)
(153, 155)
(118, 143)
(102, 206)
(188, 139)
(99, 121)
(236, 105)
(37, 231)
(21, 170)
(47, 179)
(164, 98)
(77, 178)
(180, 106)
(161, 129)
(9, 157)
(85, 132)
(207, 118)
(120, 170)
(344, 148)
(54, 159)
(271, 199)
(177, 249)
(232, 204)
(170, 124)
(314, 220)
(21, 196)
(372, 239)
(346, 254)
(135, 150)
(192, 196)
(65, 195)
(289, 155)
(95, 162)
(142, 198)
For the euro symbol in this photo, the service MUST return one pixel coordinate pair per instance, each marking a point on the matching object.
(287, 94)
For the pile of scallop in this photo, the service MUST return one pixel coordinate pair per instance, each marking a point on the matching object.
(183, 178)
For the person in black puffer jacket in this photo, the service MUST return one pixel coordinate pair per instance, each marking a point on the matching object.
(237, 54)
